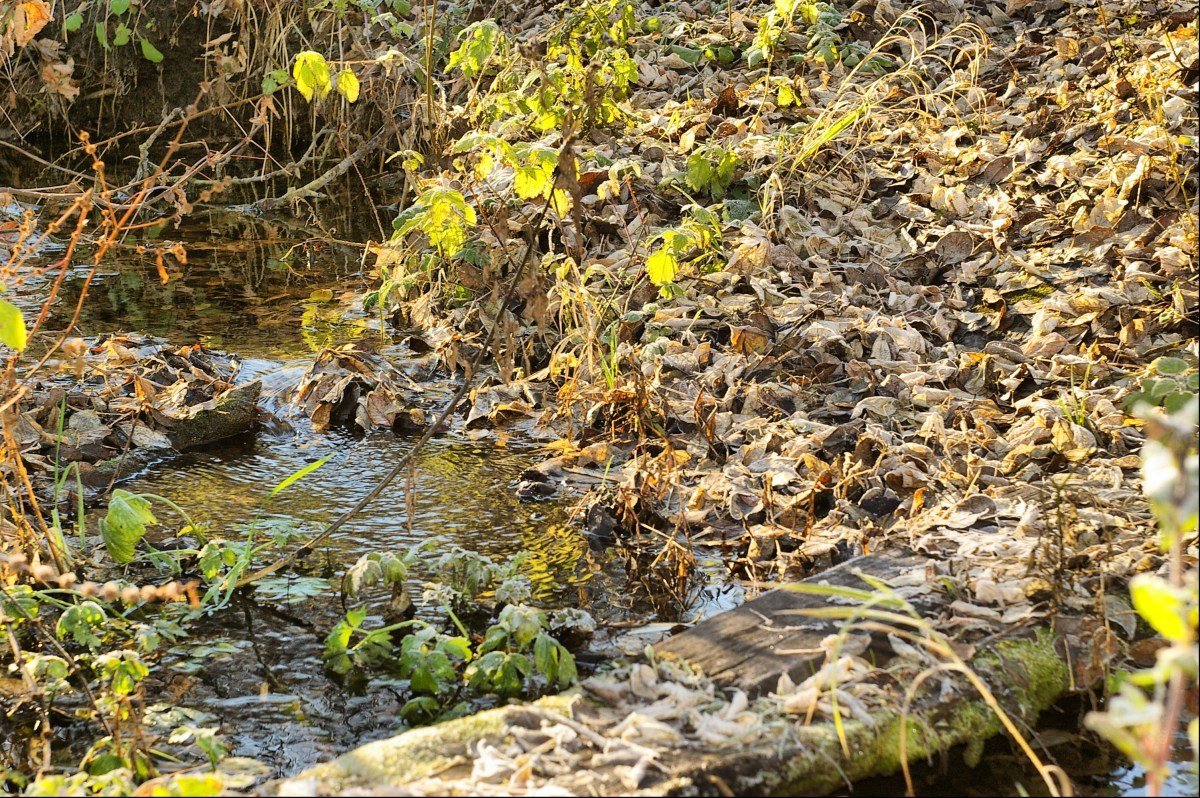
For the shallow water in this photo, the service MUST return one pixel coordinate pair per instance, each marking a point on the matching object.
(260, 290)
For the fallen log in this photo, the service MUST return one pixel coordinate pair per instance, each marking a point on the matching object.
(232, 413)
(661, 728)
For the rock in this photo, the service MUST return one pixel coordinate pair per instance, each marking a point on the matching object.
(230, 414)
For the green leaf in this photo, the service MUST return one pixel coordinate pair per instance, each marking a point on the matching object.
(80, 622)
(700, 172)
(479, 42)
(1163, 606)
(102, 35)
(423, 680)
(12, 326)
(458, 647)
(337, 642)
(125, 524)
(106, 763)
(125, 668)
(421, 709)
(311, 72)
(544, 655)
(1174, 402)
(688, 54)
(347, 85)
(118, 7)
(1160, 388)
(495, 637)
(299, 475)
(1170, 365)
(1133, 399)
(121, 35)
(395, 570)
(150, 52)
(73, 22)
(444, 216)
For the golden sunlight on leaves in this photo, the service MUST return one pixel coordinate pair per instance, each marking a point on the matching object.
(311, 72)
(347, 85)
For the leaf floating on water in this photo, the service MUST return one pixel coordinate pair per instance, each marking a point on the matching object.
(299, 475)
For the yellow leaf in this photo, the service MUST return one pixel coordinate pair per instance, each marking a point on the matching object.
(347, 85)
(32, 16)
(563, 446)
(560, 201)
(12, 326)
(311, 72)
(661, 266)
(1163, 606)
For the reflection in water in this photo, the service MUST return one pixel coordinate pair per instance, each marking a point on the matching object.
(245, 287)
(458, 490)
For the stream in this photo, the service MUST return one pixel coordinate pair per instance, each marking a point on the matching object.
(271, 293)
(275, 293)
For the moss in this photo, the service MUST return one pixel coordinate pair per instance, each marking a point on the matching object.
(418, 753)
(1027, 676)
(233, 414)
(1034, 294)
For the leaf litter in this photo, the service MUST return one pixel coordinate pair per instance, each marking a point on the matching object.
(918, 329)
(928, 299)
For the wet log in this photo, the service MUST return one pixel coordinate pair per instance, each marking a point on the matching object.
(743, 648)
(233, 413)
(751, 646)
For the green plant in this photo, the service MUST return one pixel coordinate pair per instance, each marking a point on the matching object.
(695, 240)
(586, 72)
(313, 78)
(712, 168)
(462, 651)
(1173, 385)
(117, 23)
(480, 42)
(820, 22)
(443, 215)
(1149, 705)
